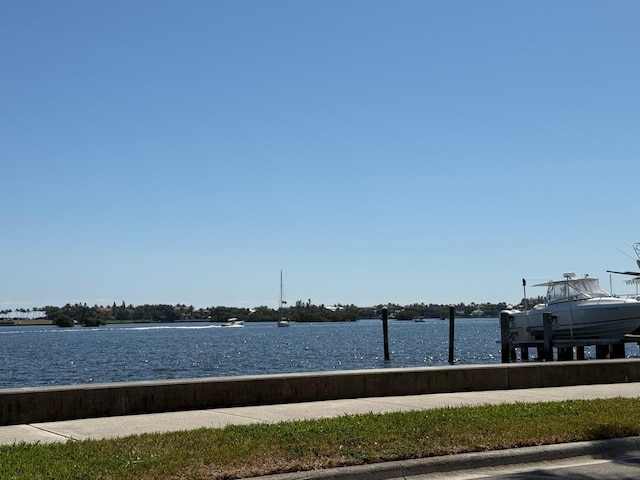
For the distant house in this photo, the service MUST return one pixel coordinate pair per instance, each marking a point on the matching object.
(477, 313)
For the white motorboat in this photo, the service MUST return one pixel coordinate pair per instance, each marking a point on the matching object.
(233, 322)
(283, 322)
(581, 310)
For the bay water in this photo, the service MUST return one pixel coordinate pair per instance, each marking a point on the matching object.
(48, 355)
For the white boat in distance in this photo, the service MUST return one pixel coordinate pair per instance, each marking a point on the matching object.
(233, 322)
(283, 322)
(581, 310)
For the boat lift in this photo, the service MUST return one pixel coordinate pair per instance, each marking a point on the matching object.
(605, 347)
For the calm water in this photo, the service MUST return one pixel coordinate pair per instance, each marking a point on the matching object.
(47, 355)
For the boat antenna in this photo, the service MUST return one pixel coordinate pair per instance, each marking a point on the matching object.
(625, 253)
(636, 247)
(524, 288)
(611, 286)
(568, 276)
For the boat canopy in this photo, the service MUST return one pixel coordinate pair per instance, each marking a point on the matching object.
(574, 289)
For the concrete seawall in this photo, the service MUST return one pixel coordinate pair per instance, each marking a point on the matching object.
(43, 404)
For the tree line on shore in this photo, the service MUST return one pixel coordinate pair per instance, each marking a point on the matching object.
(83, 314)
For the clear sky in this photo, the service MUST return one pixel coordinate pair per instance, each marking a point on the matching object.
(375, 151)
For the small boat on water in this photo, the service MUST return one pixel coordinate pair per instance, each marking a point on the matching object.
(233, 322)
(283, 322)
(581, 310)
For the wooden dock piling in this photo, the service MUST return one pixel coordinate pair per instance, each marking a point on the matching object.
(385, 333)
(565, 353)
(547, 348)
(505, 341)
(618, 350)
(452, 317)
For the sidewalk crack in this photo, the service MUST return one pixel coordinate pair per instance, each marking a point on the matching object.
(66, 437)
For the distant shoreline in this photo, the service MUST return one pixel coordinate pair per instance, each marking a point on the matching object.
(25, 321)
(44, 321)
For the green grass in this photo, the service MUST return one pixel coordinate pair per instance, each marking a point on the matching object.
(252, 450)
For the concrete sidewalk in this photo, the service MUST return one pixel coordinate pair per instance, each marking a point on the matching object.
(112, 427)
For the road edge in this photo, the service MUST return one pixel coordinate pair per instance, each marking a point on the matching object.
(467, 461)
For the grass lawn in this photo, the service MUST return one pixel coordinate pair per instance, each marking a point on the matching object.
(252, 450)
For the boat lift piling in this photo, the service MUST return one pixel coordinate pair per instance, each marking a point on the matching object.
(547, 335)
(508, 349)
(505, 341)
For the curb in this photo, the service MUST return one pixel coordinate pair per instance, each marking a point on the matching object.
(468, 461)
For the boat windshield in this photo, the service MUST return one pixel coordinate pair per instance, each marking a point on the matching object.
(575, 289)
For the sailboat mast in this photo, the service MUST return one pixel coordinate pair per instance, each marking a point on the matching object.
(283, 322)
(281, 295)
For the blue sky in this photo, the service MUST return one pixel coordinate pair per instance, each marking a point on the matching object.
(375, 151)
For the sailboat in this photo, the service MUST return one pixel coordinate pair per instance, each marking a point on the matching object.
(282, 322)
